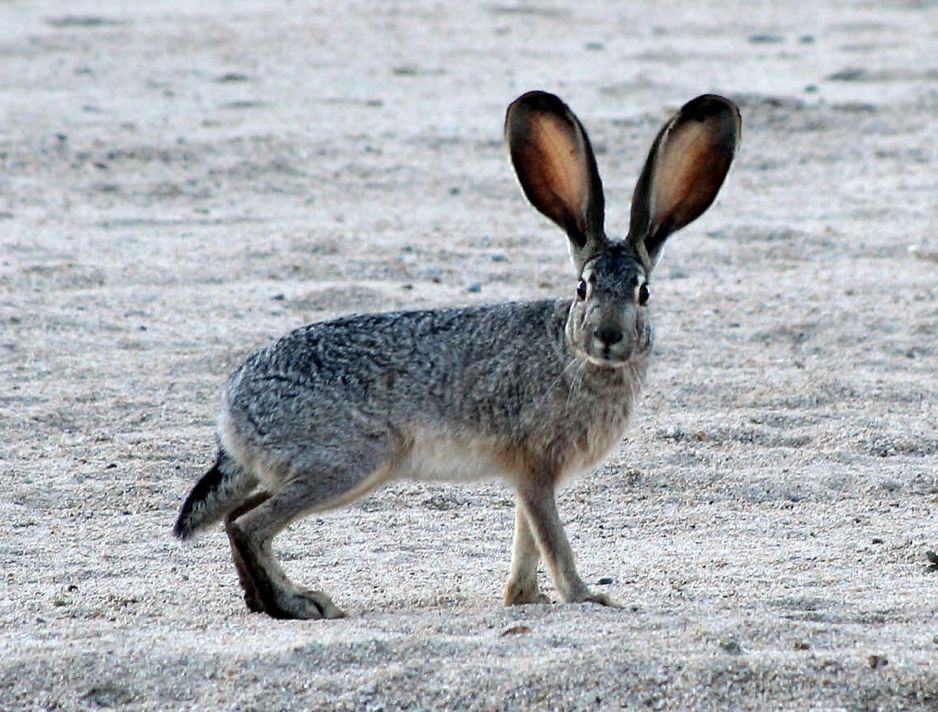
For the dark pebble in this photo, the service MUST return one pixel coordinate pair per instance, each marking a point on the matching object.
(731, 646)
(516, 630)
(766, 39)
(877, 661)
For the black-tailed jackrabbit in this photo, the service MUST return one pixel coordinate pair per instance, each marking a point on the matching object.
(527, 391)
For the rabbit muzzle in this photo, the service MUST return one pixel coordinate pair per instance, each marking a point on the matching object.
(615, 339)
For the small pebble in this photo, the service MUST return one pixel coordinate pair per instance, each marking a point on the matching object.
(877, 661)
(604, 581)
(766, 39)
(731, 647)
(848, 74)
(232, 77)
(474, 287)
(516, 630)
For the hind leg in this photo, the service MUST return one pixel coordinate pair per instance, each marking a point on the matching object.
(251, 596)
(269, 589)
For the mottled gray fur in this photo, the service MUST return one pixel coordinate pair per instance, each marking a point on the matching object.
(529, 391)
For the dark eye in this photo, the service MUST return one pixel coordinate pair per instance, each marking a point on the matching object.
(581, 290)
(643, 294)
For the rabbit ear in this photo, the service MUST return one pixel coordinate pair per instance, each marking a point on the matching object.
(684, 171)
(554, 162)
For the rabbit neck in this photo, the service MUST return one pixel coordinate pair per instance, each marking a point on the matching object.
(605, 390)
(595, 404)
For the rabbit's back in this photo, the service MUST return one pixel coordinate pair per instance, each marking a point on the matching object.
(470, 366)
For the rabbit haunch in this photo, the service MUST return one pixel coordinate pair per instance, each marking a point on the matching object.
(527, 391)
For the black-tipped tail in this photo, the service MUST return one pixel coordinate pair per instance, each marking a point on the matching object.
(219, 491)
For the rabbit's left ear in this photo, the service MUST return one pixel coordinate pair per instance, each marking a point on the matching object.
(555, 165)
(684, 171)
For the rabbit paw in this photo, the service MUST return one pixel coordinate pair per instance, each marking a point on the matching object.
(518, 595)
(589, 597)
(323, 604)
(305, 604)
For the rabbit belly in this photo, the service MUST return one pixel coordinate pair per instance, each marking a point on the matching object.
(442, 457)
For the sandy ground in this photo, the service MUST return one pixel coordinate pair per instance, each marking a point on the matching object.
(179, 186)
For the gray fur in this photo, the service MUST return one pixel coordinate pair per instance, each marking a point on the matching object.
(529, 391)
(502, 371)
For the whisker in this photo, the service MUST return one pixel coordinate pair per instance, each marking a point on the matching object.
(575, 383)
(573, 363)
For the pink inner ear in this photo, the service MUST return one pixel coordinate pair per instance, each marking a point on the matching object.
(690, 168)
(556, 174)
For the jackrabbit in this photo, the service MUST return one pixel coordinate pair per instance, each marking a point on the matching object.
(527, 391)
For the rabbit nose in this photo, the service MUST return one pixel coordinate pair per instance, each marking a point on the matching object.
(608, 335)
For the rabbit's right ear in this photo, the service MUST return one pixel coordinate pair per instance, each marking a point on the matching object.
(555, 165)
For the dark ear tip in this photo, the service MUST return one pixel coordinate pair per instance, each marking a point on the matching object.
(536, 101)
(709, 106)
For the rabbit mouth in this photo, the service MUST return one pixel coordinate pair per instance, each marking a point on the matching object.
(605, 362)
(615, 356)
(610, 358)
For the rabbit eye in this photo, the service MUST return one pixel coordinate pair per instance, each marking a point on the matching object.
(581, 290)
(643, 294)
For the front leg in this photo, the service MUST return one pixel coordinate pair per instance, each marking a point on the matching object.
(541, 513)
(522, 581)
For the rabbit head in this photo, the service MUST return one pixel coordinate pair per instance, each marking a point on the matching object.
(608, 323)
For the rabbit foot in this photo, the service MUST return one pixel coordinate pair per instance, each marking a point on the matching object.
(519, 595)
(304, 604)
(588, 596)
(325, 605)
